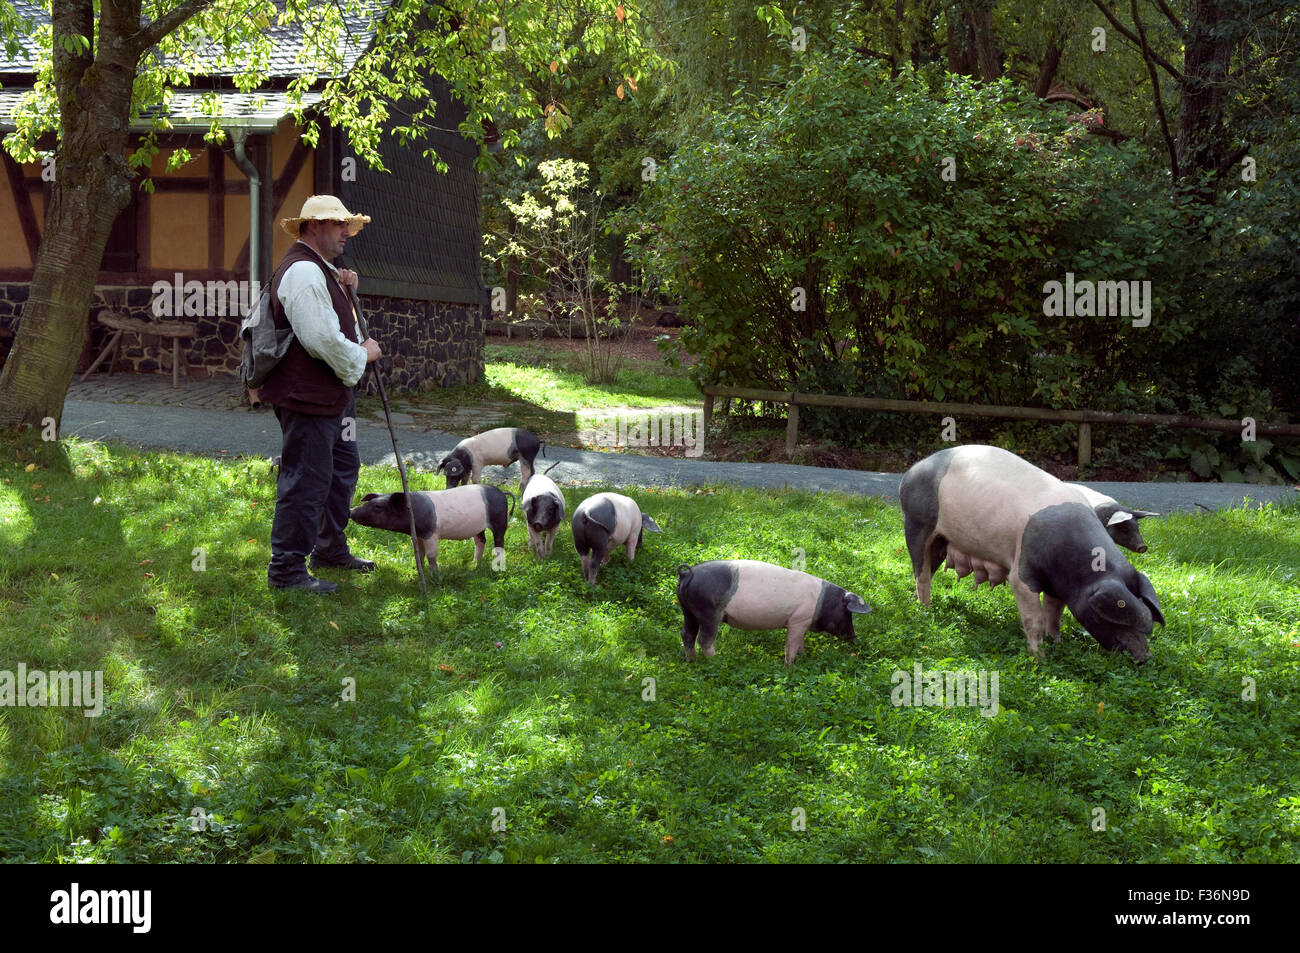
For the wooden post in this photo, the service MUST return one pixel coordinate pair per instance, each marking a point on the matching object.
(708, 415)
(792, 430)
(1085, 444)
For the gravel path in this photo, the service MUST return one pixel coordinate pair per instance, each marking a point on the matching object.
(217, 432)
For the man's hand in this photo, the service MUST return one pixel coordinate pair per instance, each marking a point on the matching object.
(348, 279)
(372, 350)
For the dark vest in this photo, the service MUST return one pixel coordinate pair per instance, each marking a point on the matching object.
(300, 382)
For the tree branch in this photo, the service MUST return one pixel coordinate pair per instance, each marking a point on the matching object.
(151, 33)
(1231, 159)
(1172, 17)
(1155, 85)
(1133, 38)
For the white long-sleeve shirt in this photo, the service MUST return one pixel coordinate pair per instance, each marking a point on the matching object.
(315, 323)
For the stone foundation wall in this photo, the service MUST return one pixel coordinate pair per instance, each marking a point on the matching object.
(426, 344)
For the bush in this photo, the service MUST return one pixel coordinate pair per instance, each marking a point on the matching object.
(865, 234)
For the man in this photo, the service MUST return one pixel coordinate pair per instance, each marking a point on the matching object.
(312, 392)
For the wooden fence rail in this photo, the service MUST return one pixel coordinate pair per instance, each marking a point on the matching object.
(1083, 418)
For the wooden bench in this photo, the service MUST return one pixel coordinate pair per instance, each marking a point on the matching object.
(121, 324)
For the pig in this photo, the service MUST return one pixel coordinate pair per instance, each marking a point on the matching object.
(1121, 522)
(985, 506)
(748, 594)
(459, 513)
(603, 522)
(502, 446)
(543, 506)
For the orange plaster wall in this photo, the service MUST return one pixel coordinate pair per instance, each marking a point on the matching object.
(178, 221)
(13, 245)
(282, 144)
(178, 230)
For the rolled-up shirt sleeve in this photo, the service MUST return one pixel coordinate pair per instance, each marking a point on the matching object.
(311, 314)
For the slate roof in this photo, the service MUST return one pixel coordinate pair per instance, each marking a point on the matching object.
(262, 109)
(287, 42)
(264, 106)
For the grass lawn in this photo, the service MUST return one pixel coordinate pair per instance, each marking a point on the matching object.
(519, 699)
(542, 388)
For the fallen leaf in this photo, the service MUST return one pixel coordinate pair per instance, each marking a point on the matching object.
(31, 467)
(335, 627)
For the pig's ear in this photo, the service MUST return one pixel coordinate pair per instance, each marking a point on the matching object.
(443, 464)
(1148, 594)
(855, 603)
(648, 523)
(1142, 514)
(1119, 516)
(369, 496)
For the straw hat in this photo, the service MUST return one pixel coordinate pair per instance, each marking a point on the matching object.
(324, 208)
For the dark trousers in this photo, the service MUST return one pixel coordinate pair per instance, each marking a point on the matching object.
(318, 473)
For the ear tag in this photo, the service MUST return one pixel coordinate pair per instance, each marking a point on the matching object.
(1121, 603)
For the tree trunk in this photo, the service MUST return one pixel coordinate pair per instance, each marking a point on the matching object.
(1047, 68)
(972, 47)
(986, 50)
(1201, 140)
(92, 186)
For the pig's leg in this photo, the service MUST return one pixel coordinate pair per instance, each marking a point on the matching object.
(1052, 608)
(534, 541)
(429, 545)
(631, 544)
(548, 540)
(918, 532)
(525, 473)
(480, 542)
(794, 637)
(591, 563)
(690, 629)
(1031, 614)
(475, 471)
(709, 634)
(498, 540)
